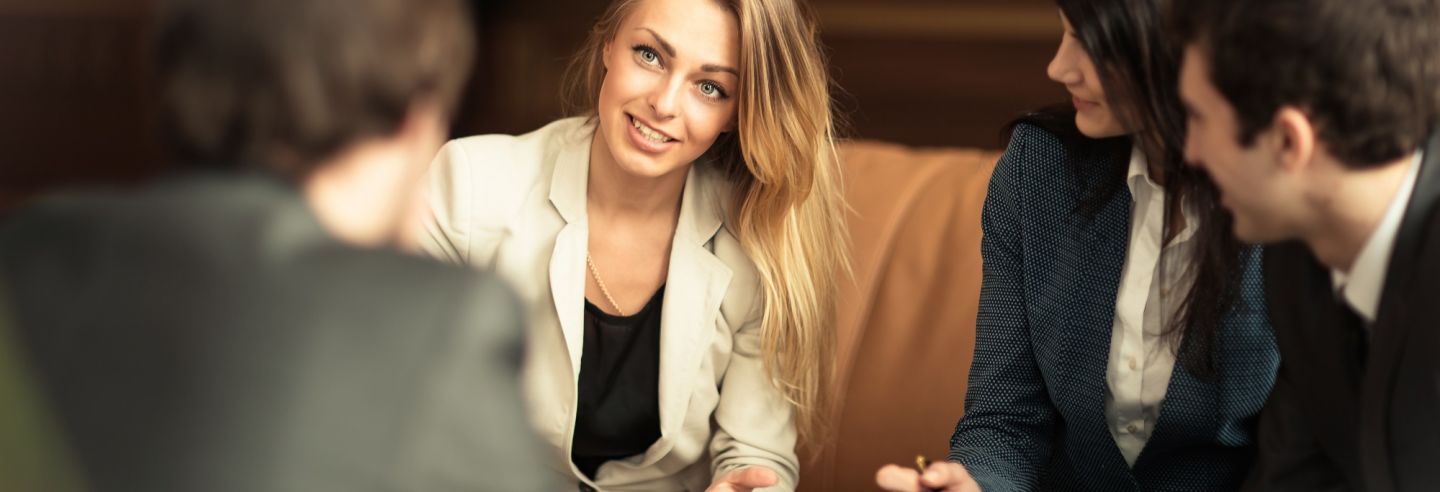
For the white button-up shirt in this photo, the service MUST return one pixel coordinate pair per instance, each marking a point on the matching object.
(1362, 285)
(1153, 284)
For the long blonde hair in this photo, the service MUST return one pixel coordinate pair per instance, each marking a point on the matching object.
(788, 211)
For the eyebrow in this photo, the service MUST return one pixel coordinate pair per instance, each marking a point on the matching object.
(670, 50)
(718, 68)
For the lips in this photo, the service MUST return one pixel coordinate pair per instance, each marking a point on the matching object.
(646, 137)
(1081, 104)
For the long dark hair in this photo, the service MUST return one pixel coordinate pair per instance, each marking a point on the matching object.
(1139, 67)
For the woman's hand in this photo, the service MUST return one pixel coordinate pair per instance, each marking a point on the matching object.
(744, 480)
(944, 476)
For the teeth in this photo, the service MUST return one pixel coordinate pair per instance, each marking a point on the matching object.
(648, 133)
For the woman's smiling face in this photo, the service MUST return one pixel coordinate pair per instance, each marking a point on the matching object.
(670, 83)
(1073, 67)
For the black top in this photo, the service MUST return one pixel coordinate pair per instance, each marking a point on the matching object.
(619, 409)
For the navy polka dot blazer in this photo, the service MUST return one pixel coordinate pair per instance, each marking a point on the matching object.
(1035, 408)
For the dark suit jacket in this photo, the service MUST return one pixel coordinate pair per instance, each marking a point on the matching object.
(207, 334)
(1347, 413)
(1035, 408)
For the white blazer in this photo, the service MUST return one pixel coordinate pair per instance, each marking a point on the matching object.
(516, 205)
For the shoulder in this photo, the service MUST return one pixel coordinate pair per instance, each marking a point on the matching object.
(497, 149)
(489, 172)
(1033, 139)
(385, 290)
(1058, 172)
(222, 215)
(43, 246)
(1034, 151)
(510, 158)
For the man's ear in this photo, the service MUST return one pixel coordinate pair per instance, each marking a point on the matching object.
(1293, 139)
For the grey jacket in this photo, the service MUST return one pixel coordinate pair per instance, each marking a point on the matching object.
(207, 334)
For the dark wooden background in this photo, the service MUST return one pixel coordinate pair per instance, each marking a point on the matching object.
(77, 100)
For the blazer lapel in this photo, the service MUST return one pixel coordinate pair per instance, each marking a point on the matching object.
(1091, 323)
(695, 286)
(1391, 326)
(568, 185)
(1188, 414)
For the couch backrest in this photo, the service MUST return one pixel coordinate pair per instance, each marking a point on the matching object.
(906, 323)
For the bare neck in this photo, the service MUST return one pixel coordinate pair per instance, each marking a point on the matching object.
(1349, 205)
(614, 192)
(362, 194)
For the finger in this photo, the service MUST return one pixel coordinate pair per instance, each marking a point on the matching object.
(898, 479)
(944, 475)
(753, 477)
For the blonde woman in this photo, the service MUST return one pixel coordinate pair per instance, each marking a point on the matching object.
(678, 243)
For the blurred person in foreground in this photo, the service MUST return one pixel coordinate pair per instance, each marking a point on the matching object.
(1317, 119)
(248, 327)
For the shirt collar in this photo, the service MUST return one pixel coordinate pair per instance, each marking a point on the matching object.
(1137, 178)
(1362, 285)
(1139, 172)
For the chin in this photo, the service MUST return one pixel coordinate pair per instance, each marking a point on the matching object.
(1094, 129)
(1244, 234)
(1249, 232)
(642, 164)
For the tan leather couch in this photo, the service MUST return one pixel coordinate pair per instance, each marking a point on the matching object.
(907, 321)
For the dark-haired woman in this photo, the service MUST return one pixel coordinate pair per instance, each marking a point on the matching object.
(1122, 341)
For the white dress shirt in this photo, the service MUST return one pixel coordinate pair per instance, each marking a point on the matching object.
(1153, 283)
(1362, 285)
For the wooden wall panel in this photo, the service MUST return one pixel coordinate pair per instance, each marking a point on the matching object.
(919, 72)
(76, 98)
(77, 103)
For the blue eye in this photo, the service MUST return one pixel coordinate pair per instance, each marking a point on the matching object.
(647, 55)
(711, 90)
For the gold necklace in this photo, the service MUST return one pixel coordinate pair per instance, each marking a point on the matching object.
(601, 283)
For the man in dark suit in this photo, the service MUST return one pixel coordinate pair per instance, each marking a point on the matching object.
(248, 327)
(1315, 118)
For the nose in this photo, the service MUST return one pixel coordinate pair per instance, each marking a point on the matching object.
(665, 99)
(1063, 67)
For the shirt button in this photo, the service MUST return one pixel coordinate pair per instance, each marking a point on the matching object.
(586, 487)
(1132, 363)
(1131, 429)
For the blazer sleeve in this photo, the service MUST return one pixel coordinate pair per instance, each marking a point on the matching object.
(1004, 438)
(754, 423)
